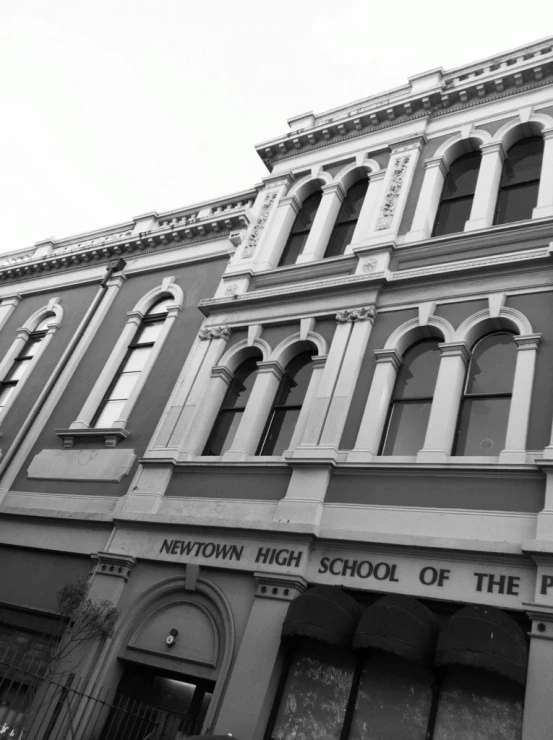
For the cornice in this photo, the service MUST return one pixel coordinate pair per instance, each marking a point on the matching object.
(448, 98)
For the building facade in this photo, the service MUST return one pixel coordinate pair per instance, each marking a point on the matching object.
(301, 437)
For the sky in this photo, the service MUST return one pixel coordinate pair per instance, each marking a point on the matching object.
(114, 108)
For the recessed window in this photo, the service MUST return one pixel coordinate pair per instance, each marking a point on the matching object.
(487, 399)
(138, 352)
(300, 229)
(286, 409)
(342, 233)
(21, 363)
(458, 195)
(232, 408)
(520, 181)
(412, 399)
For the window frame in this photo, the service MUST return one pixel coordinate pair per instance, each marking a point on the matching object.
(346, 221)
(456, 199)
(283, 261)
(517, 185)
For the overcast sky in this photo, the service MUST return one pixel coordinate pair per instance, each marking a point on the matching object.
(112, 108)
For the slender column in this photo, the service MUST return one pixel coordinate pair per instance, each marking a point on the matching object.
(429, 200)
(544, 207)
(445, 404)
(252, 423)
(519, 413)
(270, 250)
(537, 722)
(368, 209)
(388, 362)
(257, 666)
(312, 390)
(7, 307)
(487, 187)
(319, 410)
(325, 218)
(199, 431)
(362, 320)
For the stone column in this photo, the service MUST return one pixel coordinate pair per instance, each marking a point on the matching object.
(440, 432)
(519, 412)
(538, 708)
(270, 251)
(325, 219)
(429, 200)
(388, 362)
(544, 207)
(487, 187)
(250, 693)
(203, 421)
(254, 418)
(370, 205)
(362, 320)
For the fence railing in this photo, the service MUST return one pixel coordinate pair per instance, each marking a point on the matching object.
(34, 707)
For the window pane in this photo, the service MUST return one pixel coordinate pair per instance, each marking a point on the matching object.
(241, 386)
(478, 704)
(492, 365)
(523, 162)
(341, 236)
(313, 703)
(407, 428)
(136, 359)
(462, 176)
(393, 701)
(123, 386)
(223, 432)
(306, 216)
(295, 382)
(148, 333)
(418, 373)
(280, 432)
(18, 370)
(44, 324)
(452, 216)
(483, 426)
(109, 414)
(293, 249)
(516, 203)
(5, 393)
(160, 307)
(31, 347)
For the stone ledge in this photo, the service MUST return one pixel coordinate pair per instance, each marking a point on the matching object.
(109, 466)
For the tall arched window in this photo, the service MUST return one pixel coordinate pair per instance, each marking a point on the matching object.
(300, 229)
(22, 361)
(411, 400)
(232, 408)
(129, 371)
(287, 406)
(485, 407)
(520, 181)
(458, 194)
(346, 222)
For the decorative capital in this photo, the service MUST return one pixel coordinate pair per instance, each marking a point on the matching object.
(270, 366)
(215, 332)
(388, 357)
(281, 587)
(455, 349)
(222, 372)
(111, 564)
(528, 341)
(356, 314)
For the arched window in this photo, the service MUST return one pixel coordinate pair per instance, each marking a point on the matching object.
(22, 361)
(346, 222)
(300, 229)
(232, 408)
(520, 181)
(138, 352)
(458, 194)
(485, 407)
(287, 406)
(411, 400)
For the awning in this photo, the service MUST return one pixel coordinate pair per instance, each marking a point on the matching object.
(484, 637)
(400, 625)
(324, 613)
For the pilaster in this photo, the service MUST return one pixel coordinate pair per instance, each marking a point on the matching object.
(487, 187)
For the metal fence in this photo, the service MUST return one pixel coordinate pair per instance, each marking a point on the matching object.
(57, 708)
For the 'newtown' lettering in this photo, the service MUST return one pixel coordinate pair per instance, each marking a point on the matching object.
(202, 549)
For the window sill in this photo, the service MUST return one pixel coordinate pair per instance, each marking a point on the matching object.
(111, 436)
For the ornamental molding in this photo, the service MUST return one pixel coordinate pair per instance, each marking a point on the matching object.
(392, 194)
(215, 332)
(255, 234)
(370, 265)
(356, 314)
